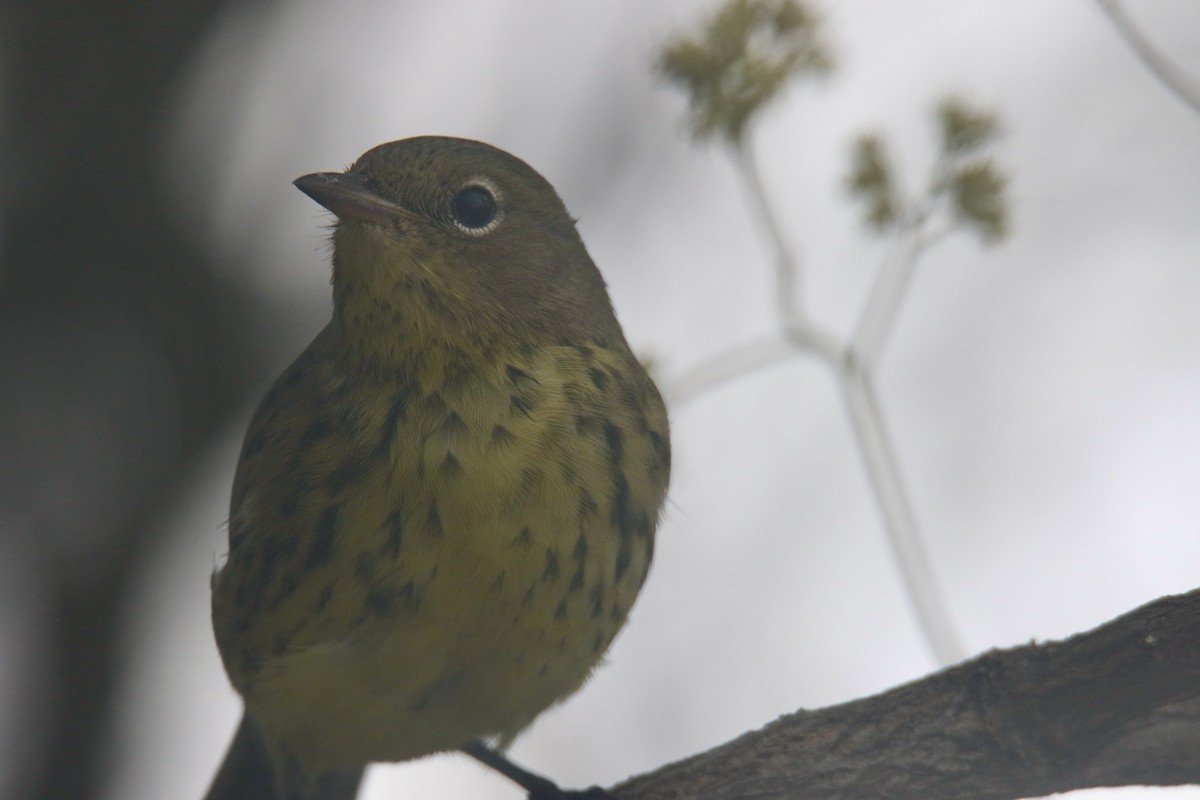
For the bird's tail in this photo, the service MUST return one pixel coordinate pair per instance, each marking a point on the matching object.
(248, 773)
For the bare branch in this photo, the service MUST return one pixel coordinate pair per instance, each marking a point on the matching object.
(1169, 75)
(787, 265)
(878, 317)
(883, 469)
(727, 366)
(1117, 706)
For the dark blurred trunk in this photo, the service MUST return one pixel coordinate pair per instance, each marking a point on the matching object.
(130, 349)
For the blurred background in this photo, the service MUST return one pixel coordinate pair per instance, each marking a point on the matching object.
(157, 270)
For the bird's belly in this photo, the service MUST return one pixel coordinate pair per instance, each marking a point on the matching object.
(466, 573)
(488, 641)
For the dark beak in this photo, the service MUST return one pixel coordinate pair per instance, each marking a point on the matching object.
(347, 195)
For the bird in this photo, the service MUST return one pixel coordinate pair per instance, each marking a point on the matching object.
(445, 507)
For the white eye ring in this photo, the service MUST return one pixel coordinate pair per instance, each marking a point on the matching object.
(475, 207)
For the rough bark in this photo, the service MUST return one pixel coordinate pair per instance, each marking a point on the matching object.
(1116, 706)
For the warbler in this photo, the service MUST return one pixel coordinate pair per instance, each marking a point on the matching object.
(445, 507)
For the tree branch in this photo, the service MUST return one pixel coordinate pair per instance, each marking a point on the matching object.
(887, 484)
(1116, 706)
(1168, 74)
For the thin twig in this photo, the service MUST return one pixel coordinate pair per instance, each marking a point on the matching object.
(879, 313)
(885, 475)
(875, 325)
(852, 367)
(728, 366)
(787, 265)
(853, 370)
(878, 317)
(1176, 80)
(806, 336)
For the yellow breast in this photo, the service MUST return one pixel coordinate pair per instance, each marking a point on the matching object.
(424, 558)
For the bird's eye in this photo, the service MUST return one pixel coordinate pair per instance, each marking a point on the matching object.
(475, 209)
